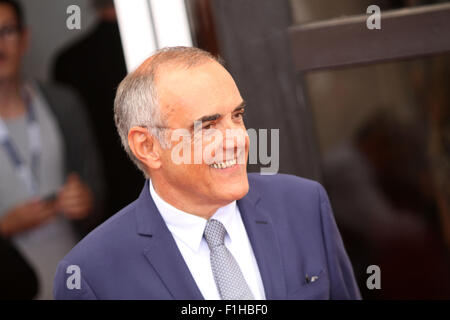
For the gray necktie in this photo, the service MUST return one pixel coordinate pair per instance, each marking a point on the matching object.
(227, 274)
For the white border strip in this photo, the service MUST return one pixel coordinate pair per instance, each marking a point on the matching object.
(136, 31)
(171, 23)
(148, 25)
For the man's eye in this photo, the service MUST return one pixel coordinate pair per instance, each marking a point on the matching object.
(207, 126)
(8, 30)
(239, 115)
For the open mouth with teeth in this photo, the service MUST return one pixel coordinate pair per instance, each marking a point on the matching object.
(224, 164)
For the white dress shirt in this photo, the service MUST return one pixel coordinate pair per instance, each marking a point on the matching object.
(187, 230)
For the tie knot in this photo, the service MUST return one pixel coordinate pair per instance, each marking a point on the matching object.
(214, 233)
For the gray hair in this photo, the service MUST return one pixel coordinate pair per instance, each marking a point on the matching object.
(137, 103)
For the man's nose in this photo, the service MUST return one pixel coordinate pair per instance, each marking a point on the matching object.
(233, 135)
(3, 43)
(234, 141)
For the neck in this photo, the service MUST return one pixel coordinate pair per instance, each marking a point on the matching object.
(11, 104)
(201, 209)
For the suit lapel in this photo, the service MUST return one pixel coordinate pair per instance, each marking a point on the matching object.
(166, 259)
(260, 230)
(162, 251)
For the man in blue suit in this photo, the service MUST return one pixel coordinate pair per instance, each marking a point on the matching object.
(202, 228)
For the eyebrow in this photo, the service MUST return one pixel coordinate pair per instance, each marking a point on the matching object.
(216, 116)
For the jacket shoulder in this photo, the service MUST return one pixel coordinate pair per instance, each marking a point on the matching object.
(282, 183)
(104, 238)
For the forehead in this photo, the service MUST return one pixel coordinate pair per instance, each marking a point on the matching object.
(190, 93)
(7, 14)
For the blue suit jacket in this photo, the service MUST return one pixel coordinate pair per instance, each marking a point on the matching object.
(290, 226)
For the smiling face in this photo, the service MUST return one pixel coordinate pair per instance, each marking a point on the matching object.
(208, 93)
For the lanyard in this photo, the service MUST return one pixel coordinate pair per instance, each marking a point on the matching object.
(28, 174)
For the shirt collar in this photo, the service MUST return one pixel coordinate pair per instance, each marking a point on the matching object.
(188, 227)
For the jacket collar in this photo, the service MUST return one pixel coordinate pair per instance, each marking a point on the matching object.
(261, 232)
(165, 257)
(162, 251)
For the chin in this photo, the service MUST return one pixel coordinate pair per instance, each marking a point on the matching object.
(235, 191)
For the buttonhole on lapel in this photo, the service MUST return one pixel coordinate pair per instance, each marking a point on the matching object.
(261, 222)
(310, 279)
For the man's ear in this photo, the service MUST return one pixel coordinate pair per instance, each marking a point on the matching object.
(144, 147)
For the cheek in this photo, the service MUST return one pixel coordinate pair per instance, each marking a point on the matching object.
(247, 142)
(14, 53)
(183, 168)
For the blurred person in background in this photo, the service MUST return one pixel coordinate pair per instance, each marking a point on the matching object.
(49, 172)
(17, 279)
(384, 202)
(94, 67)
